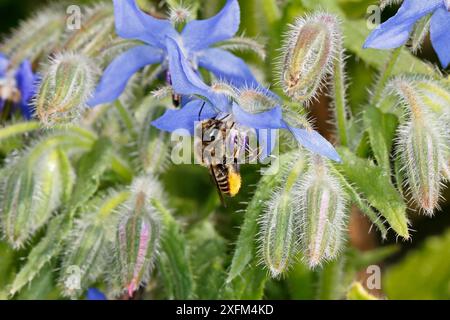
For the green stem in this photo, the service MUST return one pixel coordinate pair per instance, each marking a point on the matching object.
(330, 280)
(384, 76)
(19, 128)
(339, 99)
(271, 11)
(119, 166)
(125, 116)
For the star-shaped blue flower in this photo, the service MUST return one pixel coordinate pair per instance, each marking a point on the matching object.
(212, 104)
(196, 40)
(395, 32)
(17, 86)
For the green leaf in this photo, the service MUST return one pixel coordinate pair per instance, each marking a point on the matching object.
(42, 287)
(208, 255)
(90, 168)
(249, 285)
(423, 274)
(41, 254)
(375, 184)
(381, 128)
(356, 32)
(173, 262)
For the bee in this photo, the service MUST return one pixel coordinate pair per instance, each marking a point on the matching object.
(219, 151)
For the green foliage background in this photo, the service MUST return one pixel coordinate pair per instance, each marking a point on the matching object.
(417, 269)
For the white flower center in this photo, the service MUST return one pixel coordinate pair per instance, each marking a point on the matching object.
(447, 4)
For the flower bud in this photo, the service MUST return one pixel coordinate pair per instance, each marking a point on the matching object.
(422, 146)
(31, 192)
(322, 214)
(137, 239)
(310, 48)
(87, 249)
(96, 33)
(278, 224)
(64, 89)
(35, 37)
(254, 101)
(278, 232)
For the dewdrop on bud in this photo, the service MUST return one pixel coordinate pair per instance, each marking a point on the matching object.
(137, 238)
(31, 191)
(254, 100)
(310, 48)
(322, 214)
(277, 235)
(65, 89)
(421, 146)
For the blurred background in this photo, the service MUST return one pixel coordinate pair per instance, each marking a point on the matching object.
(425, 258)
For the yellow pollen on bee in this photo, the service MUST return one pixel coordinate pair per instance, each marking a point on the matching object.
(234, 181)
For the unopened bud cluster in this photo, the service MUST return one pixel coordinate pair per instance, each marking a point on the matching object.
(306, 215)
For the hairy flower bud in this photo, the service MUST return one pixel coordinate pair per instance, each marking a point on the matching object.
(278, 233)
(278, 228)
(137, 239)
(322, 214)
(64, 89)
(96, 33)
(422, 146)
(32, 190)
(254, 100)
(87, 249)
(36, 37)
(310, 47)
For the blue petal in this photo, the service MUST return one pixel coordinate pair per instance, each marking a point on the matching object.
(395, 32)
(4, 62)
(272, 119)
(440, 35)
(133, 23)
(200, 34)
(228, 67)
(26, 84)
(186, 82)
(95, 294)
(116, 76)
(185, 117)
(315, 143)
(267, 141)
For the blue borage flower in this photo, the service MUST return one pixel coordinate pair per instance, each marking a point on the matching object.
(395, 32)
(212, 104)
(95, 294)
(196, 39)
(17, 86)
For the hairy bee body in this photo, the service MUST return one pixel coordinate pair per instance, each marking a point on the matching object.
(227, 178)
(217, 140)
